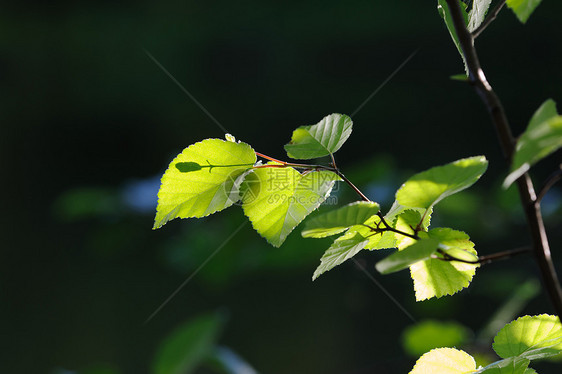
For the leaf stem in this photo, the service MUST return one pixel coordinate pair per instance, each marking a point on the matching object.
(486, 259)
(378, 230)
(492, 16)
(524, 184)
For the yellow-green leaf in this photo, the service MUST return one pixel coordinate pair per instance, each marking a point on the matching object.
(444, 361)
(203, 179)
(277, 199)
(326, 137)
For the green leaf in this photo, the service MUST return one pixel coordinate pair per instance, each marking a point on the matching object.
(339, 220)
(477, 14)
(326, 137)
(427, 188)
(342, 250)
(276, 199)
(187, 346)
(427, 335)
(523, 8)
(512, 365)
(203, 180)
(530, 337)
(434, 277)
(542, 137)
(445, 13)
(445, 361)
(420, 250)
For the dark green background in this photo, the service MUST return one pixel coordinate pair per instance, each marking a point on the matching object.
(86, 117)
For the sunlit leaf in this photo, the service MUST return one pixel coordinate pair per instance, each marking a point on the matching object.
(542, 137)
(420, 250)
(445, 13)
(339, 220)
(523, 8)
(444, 361)
(530, 337)
(427, 188)
(427, 335)
(187, 346)
(342, 250)
(477, 14)
(434, 277)
(276, 199)
(203, 179)
(326, 137)
(512, 365)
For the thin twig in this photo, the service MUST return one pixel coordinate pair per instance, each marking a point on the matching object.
(333, 161)
(485, 259)
(550, 181)
(524, 184)
(492, 16)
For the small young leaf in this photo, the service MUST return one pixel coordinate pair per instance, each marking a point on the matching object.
(477, 14)
(445, 13)
(427, 188)
(339, 220)
(523, 8)
(188, 345)
(420, 250)
(342, 250)
(445, 361)
(530, 337)
(202, 179)
(326, 137)
(434, 277)
(542, 137)
(276, 200)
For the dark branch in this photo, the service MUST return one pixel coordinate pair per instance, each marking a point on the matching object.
(524, 184)
(492, 16)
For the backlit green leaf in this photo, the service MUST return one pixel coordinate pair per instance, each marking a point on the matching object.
(420, 250)
(326, 137)
(523, 8)
(530, 337)
(434, 277)
(184, 349)
(203, 179)
(276, 199)
(342, 250)
(445, 13)
(512, 365)
(427, 188)
(477, 14)
(339, 220)
(542, 137)
(445, 361)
